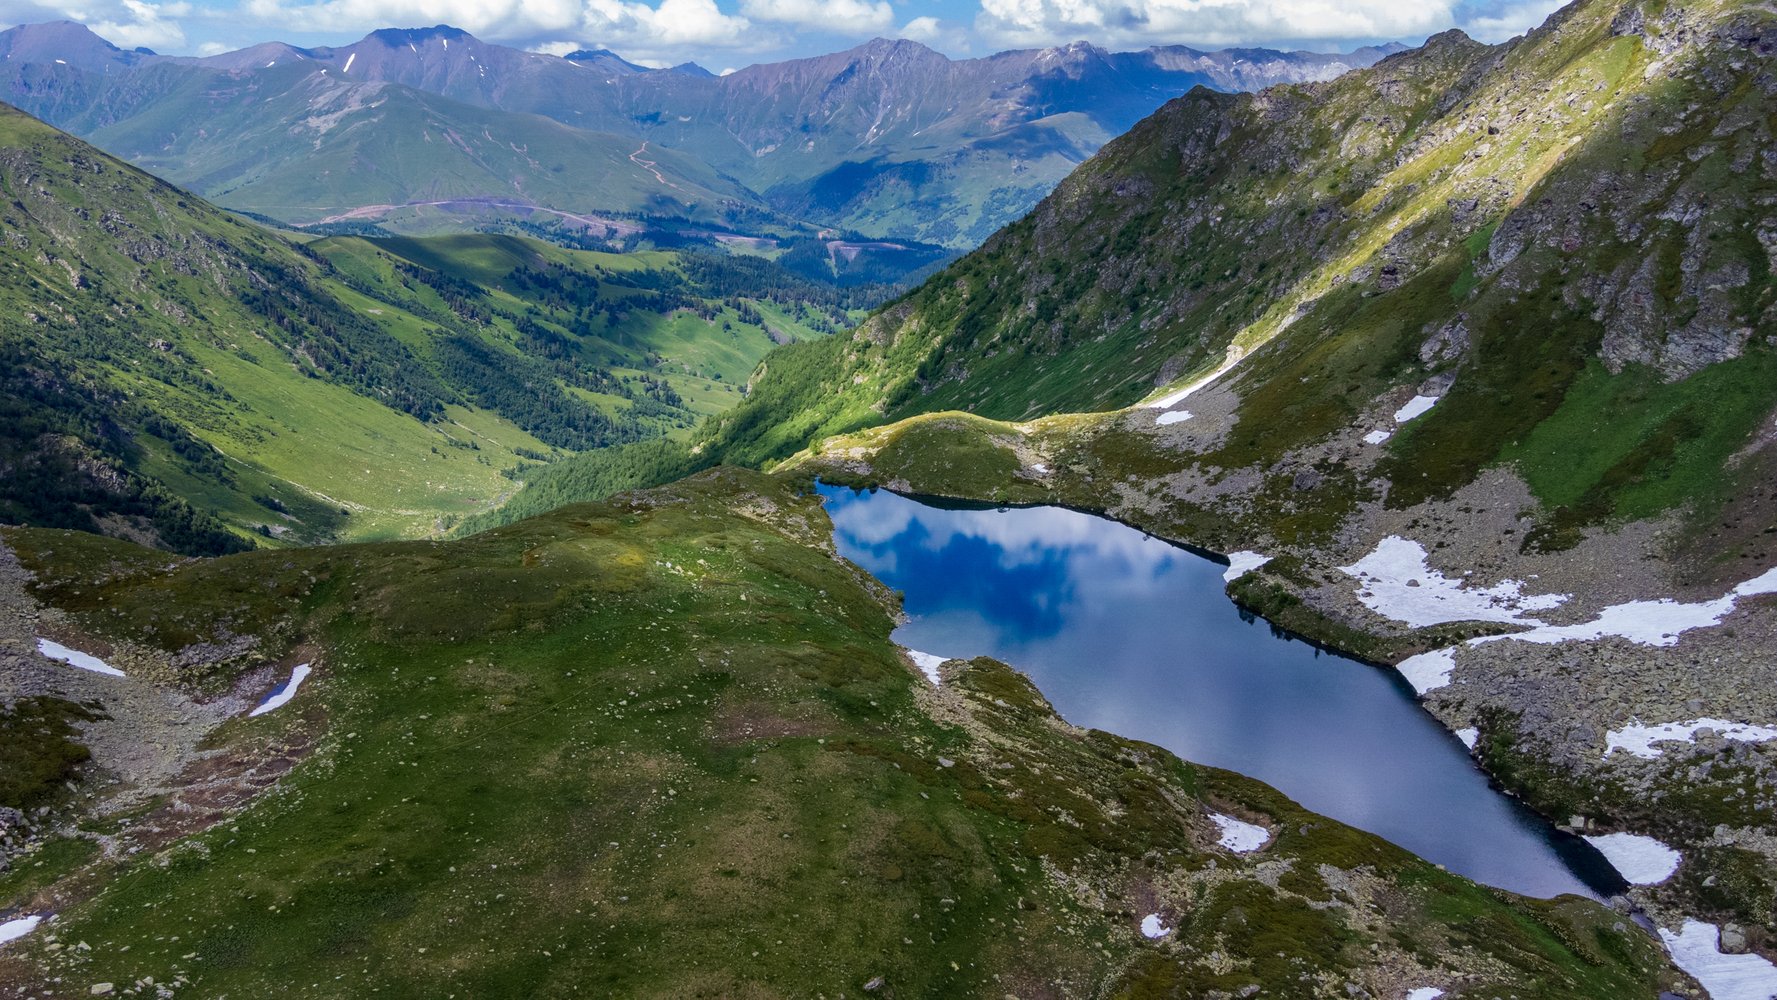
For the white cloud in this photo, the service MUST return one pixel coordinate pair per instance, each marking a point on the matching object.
(1138, 23)
(134, 23)
(508, 17)
(646, 33)
(1512, 20)
(942, 35)
(847, 16)
(556, 48)
(672, 23)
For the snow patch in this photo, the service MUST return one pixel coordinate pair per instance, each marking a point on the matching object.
(1151, 927)
(1765, 583)
(1468, 735)
(1425, 993)
(75, 658)
(1415, 407)
(1171, 417)
(349, 60)
(1429, 671)
(282, 696)
(1650, 623)
(1239, 836)
(1641, 860)
(1696, 949)
(1039, 468)
(1169, 401)
(1377, 437)
(17, 928)
(927, 664)
(1639, 739)
(1398, 584)
(1242, 563)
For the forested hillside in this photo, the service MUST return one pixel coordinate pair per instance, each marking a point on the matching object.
(184, 378)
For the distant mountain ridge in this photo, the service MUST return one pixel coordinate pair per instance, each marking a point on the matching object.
(888, 139)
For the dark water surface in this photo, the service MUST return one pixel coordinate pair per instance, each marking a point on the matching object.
(1135, 636)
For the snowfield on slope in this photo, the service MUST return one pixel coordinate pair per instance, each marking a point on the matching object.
(1641, 860)
(1696, 949)
(1242, 563)
(928, 664)
(18, 927)
(75, 658)
(1416, 407)
(1428, 671)
(1649, 623)
(1639, 739)
(281, 697)
(1398, 583)
(1240, 836)
(1171, 400)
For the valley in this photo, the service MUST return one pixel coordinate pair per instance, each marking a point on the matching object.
(273, 390)
(576, 665)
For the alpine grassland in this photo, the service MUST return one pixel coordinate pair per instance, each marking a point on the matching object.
(680, 756)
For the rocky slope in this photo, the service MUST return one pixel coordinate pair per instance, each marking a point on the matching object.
(1478, 341)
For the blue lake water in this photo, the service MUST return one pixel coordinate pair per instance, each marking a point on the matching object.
(1135, 636)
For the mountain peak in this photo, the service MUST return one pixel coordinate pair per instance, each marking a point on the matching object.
(68, 43)
(397, 37)
(880, 48)
(604, 58)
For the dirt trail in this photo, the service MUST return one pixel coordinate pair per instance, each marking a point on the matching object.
(651, 166)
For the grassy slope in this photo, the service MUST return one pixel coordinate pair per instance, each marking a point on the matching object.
(680, 757)
(131, 288)
(302, 144)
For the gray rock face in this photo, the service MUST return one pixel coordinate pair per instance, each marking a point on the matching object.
(1449, 342)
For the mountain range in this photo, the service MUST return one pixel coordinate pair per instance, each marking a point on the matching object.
(428, 129)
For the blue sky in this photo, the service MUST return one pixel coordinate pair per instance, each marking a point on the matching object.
(725, 34)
